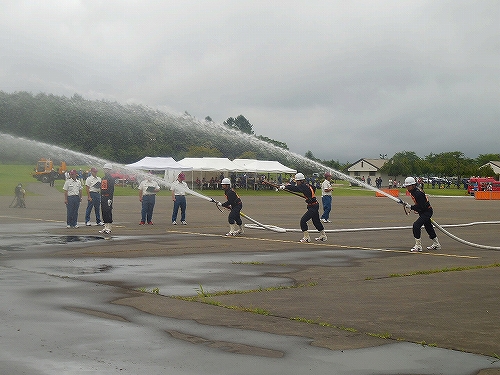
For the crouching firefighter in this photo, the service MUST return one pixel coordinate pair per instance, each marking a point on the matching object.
(424, 210)
(312, 207)
(233, 202)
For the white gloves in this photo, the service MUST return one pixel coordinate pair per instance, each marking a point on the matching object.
(282, 187)
(110, 202)
(218, 204)
(408, 206)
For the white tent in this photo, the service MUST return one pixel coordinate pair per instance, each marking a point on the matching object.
(210, 164)
(261, 167)
(157, 163)
(264, 166)
(168, 164)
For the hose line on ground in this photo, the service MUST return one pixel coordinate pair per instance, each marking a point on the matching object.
(461, 240)
(441, 228)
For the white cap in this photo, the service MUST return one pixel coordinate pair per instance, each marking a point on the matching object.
(226, 181)
(410, 181)
(107, 166)
(299, 176)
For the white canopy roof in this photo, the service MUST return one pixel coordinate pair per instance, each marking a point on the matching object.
(263, 166)
(212, 164)
(157, 163)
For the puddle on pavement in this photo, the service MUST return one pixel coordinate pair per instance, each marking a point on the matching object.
(183, 275)
(20, 243)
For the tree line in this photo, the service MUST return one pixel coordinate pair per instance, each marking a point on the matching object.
(126, 133)
(446, 164)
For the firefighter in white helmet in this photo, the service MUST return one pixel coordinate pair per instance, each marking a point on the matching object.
(312, 207)
(424, 210)
(107, 193)
(233, 202)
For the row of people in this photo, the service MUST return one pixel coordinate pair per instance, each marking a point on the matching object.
(100, 196)
(421, 206)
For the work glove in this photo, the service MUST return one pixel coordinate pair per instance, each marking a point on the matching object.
(408, 206)
(218, 204)
(110, 202)
(282, 187)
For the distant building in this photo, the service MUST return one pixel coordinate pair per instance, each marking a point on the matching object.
(365, 168)
(495, 165)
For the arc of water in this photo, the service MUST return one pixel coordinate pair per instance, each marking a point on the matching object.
(36, 149)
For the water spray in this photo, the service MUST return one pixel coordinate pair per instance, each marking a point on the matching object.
(11, 144)
(398, 200)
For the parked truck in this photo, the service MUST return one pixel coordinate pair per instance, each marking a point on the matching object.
(46, 172)
(482, 184)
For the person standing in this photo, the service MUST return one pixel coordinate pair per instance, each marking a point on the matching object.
(424, 210)
(72, 197)
(312, 208)
(107, 193)
(234, 203)
(179, 188)
(20, 194)
(93, 187)
(326, 197)
(147, 196)
(52, 177)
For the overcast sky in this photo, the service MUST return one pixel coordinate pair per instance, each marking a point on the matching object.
(344, 79)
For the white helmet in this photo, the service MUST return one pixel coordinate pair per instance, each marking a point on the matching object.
(226, 181)
(409, 181)
(299, 177)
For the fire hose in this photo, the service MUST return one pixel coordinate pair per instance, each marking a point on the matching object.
(264, 226)
(407, 211)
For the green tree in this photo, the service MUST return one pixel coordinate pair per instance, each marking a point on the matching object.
(404, 163)
(239, 123)
(201, 151)
(311, 156)
(485, 158)
(248, 155)
(450, 164)
(272, 141)
(334, 164)
(485, 171)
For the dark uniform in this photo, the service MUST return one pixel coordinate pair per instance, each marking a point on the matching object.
(312, 206)
(233, 202)
(423, 207)
(107, 192)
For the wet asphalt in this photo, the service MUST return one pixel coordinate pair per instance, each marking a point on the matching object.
(74, 302)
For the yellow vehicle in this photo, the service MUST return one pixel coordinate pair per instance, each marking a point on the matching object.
(45, 172)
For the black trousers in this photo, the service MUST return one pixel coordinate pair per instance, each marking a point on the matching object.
(424, 218)
(311, 213)
(234, 215)
(107, 209)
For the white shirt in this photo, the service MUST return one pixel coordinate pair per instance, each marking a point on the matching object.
(326, 185)
(179, 188)
(147, 183)
(91, 181)
(73, 187)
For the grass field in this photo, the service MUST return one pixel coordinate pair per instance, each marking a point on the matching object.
(11, 175)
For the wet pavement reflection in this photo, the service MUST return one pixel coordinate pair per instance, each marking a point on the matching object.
(56, 317)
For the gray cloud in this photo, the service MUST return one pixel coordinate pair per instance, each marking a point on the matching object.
(343, 79)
